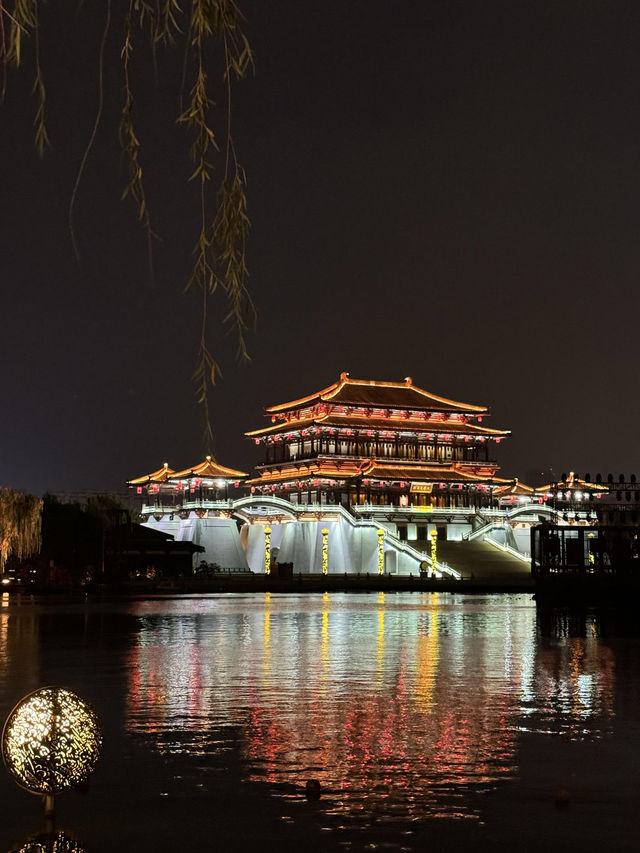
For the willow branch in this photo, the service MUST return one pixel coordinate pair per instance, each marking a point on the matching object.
(94, 131)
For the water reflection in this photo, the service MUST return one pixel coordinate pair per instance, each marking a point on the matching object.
(400, 705)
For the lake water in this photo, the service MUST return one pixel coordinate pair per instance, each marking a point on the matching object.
(429, 720)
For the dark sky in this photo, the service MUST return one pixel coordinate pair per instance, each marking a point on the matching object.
(448, 190)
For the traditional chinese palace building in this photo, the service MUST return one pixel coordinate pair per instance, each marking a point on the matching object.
(365, 442)
(357, 477)
(193, 505)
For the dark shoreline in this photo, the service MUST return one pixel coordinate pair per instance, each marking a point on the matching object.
(557, 591)
(296, 584)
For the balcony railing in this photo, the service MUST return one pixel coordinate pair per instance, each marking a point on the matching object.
(397, 460)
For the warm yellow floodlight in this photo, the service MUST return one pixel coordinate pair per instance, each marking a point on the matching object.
(51, 741)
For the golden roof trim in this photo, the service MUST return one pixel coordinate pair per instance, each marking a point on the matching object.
(331, 390)
(159, 476)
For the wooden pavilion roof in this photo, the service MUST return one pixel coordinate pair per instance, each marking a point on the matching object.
(381, 425)
(159, 476)
(431, 473)
(209, 470)
(375, 393)
(516, 489)
(375, 469)
(572, 481)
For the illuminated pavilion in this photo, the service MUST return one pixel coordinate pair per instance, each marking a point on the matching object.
(192, 505)
(189, 489)
(357, 477)
(369, 443)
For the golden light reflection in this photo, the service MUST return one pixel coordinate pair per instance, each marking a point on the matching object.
(324, 643)
(266, 636)
(396, 693)
(380, 639)
(427, 661)
(51, 741)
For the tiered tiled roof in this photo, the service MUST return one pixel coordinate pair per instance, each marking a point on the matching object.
(445, 427)
(375, 470)
(369, 392)
(208, 470)
(159, 476)
(514, 488)
(386, 411)
(573, 482)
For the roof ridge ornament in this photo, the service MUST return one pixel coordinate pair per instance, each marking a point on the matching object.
(344, 376)
(408, 380)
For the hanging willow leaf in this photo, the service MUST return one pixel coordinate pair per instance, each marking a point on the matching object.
(20, 525)
(208, 28)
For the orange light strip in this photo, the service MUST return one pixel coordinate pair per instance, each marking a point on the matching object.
(339, 421)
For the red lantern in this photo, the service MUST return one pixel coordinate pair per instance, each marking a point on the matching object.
(139, 490)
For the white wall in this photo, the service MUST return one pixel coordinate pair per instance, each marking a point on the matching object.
(218, 536)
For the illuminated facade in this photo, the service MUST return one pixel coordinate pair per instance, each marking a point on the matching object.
(193, 505)
(357, 477)
(189, 490)
(363, 442)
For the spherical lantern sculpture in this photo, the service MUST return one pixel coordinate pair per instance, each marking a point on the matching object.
(51, 742)
(56, 842)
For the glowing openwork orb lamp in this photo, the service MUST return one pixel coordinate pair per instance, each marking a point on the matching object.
(55, 842)
(51, 742)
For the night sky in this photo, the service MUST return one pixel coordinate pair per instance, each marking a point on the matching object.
(448, 190)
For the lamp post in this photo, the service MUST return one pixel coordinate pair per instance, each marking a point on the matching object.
(51, 742)
(325, 550)
(434, 550)
(267, 550)
(380, 551)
